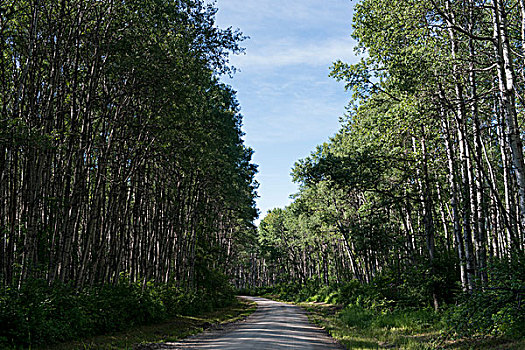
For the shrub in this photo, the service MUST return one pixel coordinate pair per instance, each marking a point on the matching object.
(41, 314)
(498, 309)
(356, 316)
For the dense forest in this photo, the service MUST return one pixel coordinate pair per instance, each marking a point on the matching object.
(419, 199)
(127, 195)
(122, 165)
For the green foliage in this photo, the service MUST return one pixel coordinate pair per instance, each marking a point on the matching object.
(498, 309)
(420, 187)
(39, 314)
(413, 286)
(414, 319)
(357, 316)
(135, 105)
(350, 292)
(114, 307)
(401, 300)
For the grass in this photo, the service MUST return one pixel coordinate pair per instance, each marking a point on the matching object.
(360, 328)
(168, 331)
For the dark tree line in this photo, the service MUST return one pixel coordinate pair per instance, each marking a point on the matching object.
(120, 151)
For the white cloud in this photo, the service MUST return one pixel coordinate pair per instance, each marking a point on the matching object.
(289, 32)
(303, 118)
(283, 10)
(287, 53)
(289, 103)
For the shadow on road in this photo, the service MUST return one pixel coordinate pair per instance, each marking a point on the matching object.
(273, 326)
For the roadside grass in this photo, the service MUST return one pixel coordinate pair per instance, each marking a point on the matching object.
(415, 329)
(168, 331)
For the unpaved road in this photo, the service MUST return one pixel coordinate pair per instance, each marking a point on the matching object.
(273, 325)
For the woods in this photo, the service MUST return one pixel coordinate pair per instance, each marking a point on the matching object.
(420, 195)
(121, 152)
(117, 140)
(127, 194)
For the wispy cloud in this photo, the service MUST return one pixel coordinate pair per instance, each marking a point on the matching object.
(290, 32)
(300, 109)
(289, 103)
(290, 11)
(286, 53)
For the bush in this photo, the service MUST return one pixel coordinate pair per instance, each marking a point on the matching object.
(494, 312)
(349, 292)
(356, 316)
(410, 319)
(115, 307)
(40, 314)
(497, 309)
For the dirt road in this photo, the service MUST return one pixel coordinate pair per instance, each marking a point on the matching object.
(273, 325)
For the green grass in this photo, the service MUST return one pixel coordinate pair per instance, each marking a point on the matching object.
(421, 329)
(168, 331)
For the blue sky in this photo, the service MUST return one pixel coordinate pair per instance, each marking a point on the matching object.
(289, 103)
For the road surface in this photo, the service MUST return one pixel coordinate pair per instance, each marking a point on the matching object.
(273, 325)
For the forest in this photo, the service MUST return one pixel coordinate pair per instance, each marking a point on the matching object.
(418, 201)
(125, 187)
(127, 194)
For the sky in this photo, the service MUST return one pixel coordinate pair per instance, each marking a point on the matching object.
(288, 102)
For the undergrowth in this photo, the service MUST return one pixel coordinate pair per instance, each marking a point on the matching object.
(170, 330)
(38, 314)
(394, 310)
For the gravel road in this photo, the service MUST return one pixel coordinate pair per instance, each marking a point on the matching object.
(273, 325)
